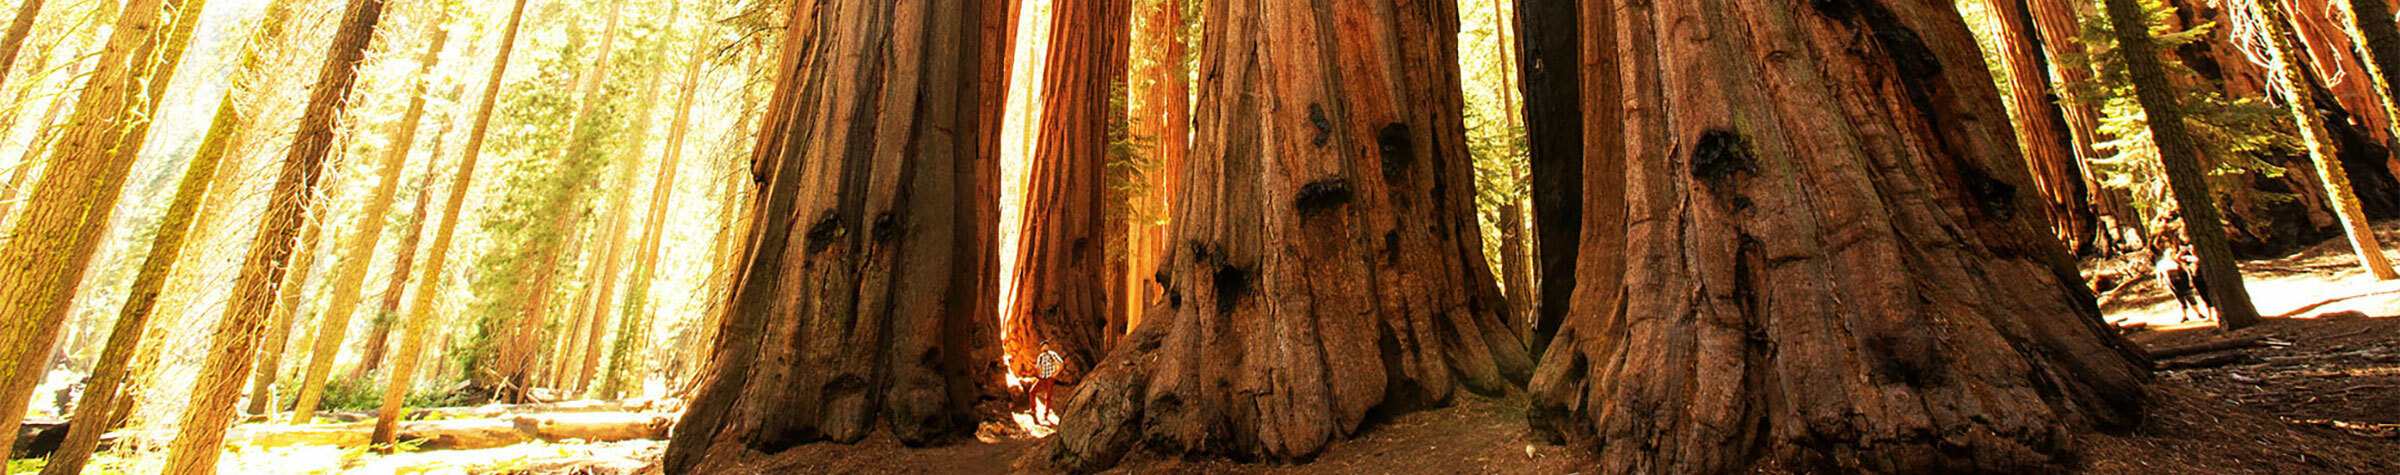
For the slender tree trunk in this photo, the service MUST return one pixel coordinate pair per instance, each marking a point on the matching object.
(66, 213)
(1063, 257)
(1517, 275)
(13, 41)
(101, 389)
(1769, 312)
(2041, 131)
(358, 255)
(412, 340)
(387, 312)
(2296, 87)
(619, 211)
(627, 370)
(289, 298)
(200, 437)
(854, 312)
(1326, 263)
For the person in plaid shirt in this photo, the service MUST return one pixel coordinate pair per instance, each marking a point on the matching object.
(1045, 366)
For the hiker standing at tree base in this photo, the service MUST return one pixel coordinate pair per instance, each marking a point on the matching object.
(1046, 367)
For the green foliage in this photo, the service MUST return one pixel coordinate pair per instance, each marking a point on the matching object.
(1131, 160)
(351, 394)
(2233, 133)
(1496, 142)
(16, 466)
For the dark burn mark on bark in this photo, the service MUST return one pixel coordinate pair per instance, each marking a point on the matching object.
(1997, 198)
(1232, 283)
(886, 224)
(1910, 357)
(1320, 196)
(1077, 250)
(822, 234)
(1391, 246)
(1316, 117)
(1393, 141)
(1198, 250)
(1720, 154)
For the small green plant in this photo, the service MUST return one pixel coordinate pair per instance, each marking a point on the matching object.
(17, 466)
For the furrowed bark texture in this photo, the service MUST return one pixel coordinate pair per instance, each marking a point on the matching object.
(1797, 176)
(1549, 60)
(1062, 282)
(2057, 176)
(69, 207)
(358, 255)
(1326, 267)
(856, 310)
(201, 435)
(421, 311)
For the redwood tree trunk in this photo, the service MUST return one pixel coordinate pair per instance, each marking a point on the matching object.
(1794, 175)
(1063, 264)
(2041, 129)
(1326, 262)
(857, 309)
(1548, 61)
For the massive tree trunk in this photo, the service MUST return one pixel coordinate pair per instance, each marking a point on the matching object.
(1326, 263)
(857, 309)
(200, 437)
(2040, 125)
(2370, 26)
(412, 339)
(2298, 97)
(1793, 175)
(358, 254)
(69, 207)
(1062, 273)
(1549, 62)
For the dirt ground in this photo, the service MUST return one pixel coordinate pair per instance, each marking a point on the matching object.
(2318, 393)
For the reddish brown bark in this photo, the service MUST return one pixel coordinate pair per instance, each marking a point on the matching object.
(2041, 131)
(1326, 264)
(1792, 176)
(855, 313)
(1064, 260)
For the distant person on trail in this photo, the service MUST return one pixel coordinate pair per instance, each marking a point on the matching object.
(1045, 366)
(2179, 270)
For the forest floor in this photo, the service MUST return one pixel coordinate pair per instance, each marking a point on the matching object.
(2316, 389)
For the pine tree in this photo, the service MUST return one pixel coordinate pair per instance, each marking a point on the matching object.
(358, 252)
(66, 211)
(1064, 253)
(412, 339)
(2292, 80)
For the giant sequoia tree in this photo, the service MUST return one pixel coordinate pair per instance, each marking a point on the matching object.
(1062, 291)
(1325, 261)
(858, 307)
(1832, 256)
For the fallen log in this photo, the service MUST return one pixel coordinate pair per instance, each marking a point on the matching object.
(456, 434)
(2204, 347)
(2208, 361)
